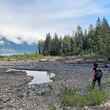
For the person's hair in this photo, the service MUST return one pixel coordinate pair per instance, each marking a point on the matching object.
(95, 65)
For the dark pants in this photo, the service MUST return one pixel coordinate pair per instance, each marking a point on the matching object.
(98, 80)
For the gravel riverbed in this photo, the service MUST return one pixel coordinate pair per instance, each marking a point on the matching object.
(17, 94)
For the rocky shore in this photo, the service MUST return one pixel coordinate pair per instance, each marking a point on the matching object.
(17, 94)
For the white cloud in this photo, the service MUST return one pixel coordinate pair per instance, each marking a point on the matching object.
(19, 35)
(1, 42)
(32, 20)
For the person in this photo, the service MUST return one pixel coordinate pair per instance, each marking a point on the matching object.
(97, 75)
(105, 65)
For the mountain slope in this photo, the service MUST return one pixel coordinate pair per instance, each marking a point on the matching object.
(8, 47)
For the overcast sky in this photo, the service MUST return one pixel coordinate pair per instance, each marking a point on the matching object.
(32, 19)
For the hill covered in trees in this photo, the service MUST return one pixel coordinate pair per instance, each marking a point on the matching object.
(94, 41)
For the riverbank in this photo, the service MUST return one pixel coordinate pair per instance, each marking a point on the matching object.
(41, 96)
(66, 59)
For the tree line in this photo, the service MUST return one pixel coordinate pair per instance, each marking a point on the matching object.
(93, 40)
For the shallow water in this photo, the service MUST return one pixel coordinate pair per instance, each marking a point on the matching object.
(40, 77)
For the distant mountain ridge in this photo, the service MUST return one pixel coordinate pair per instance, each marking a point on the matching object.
(8, 47)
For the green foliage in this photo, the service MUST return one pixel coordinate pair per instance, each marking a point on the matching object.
(91, 98)
(32, 56)
(94, 40)
(52, 107)
(47, 45)
(40, 46)
(66, 45)
(96, 97)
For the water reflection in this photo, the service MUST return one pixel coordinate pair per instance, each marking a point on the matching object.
(40, 77)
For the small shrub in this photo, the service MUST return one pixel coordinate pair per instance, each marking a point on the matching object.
(92, 98)
(96, 97)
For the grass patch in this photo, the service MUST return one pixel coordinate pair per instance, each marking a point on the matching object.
(75, 98)
(32, 56)
(52, 107)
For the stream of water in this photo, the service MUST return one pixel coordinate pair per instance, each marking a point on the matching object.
(40, 77)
